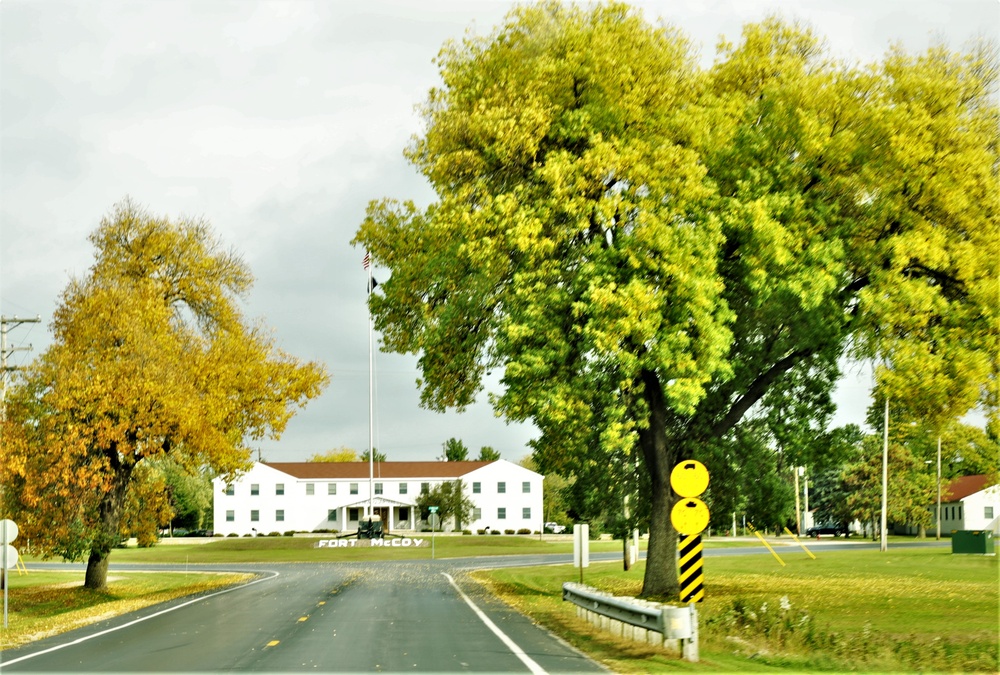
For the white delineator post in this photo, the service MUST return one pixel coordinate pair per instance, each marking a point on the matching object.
(581, 547)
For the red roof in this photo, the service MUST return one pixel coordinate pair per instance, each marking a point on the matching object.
(333, 470)
(962, 487)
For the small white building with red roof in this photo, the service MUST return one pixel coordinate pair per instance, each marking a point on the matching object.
(970, 503)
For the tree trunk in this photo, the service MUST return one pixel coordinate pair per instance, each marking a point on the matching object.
(107, 536)
(660, 580)
(97, 570)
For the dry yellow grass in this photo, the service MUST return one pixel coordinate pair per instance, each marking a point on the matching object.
(50, 604)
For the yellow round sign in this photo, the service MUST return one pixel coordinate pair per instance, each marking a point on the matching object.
(689, 516)
(689, 478)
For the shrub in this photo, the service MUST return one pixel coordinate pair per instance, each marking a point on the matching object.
(290, 533)
(483, 531)
(494, 531)
(274, 534)
(508, 531)
(466, 531)
(232, 534)
(524, 530)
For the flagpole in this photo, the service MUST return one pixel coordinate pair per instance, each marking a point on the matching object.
(371, 398)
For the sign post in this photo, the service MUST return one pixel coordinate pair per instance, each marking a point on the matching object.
(434, 511)
(690, 517)
(581, 547)
(8, 533)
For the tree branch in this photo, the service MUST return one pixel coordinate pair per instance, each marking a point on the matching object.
(757, 389)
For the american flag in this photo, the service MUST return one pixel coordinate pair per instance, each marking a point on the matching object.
(367, 261)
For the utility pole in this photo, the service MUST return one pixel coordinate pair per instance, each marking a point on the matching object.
(796, 471)
(6, 323)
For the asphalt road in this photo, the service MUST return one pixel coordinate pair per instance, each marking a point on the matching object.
(338, 617)
(373, 617)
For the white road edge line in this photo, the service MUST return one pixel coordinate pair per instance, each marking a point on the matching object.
(4, 662)
(511, 645)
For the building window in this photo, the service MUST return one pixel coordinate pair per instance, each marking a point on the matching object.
(331, 488)
(354, 488)
(254, 489)
(402, 490)
(425, 488)
(378, 488)
(501, 488)
(526, 513)
(988, 513)
(279, 489)
(230, 490)
(331, 515)
(404, 512)
(352, 514)
(477, 513)
(230, 516)
(525, 487)
(959, 511)
(310, 488)
(502, 513)
(477, 488)
(254, 516)
(279, 515)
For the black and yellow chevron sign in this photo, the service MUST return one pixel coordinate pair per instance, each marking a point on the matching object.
(692, 574)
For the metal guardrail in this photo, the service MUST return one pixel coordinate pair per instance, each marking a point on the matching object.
(635, 612)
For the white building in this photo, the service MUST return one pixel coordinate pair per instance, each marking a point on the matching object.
(967, 503)
(309, 496)
(970, 503)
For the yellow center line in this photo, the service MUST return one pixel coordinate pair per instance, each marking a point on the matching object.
(272, 643)
(303, 618)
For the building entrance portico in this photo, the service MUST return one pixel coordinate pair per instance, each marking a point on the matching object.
(395, 515)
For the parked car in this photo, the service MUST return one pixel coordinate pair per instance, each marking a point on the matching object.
(830, 528)
(555, 528)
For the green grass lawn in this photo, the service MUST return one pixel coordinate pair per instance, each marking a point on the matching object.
(904, 610)
(303, 549)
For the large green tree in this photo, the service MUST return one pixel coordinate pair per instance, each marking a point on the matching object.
(655, 254)
(454, 451)
(151, 357)
(368, 454)
(451, 501)
(488, 454)
(910, 493)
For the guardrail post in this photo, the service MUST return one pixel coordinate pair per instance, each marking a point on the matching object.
(690, 645)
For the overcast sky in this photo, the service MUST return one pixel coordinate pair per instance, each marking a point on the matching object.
(277, 122)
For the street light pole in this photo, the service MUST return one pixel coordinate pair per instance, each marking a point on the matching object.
(939, 489)
(883, 542)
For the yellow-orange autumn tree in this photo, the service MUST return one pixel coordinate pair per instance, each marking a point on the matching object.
(151, 357)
